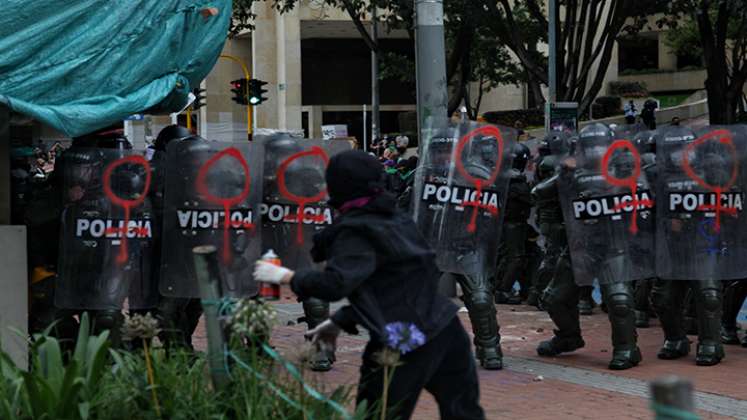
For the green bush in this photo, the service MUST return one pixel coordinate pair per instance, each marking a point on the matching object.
(629, 89)
(606, 106)
(529, 117)
(96, 382)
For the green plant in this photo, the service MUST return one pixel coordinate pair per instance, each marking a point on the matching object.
(55, 389)
(607, 106)
(629, 89)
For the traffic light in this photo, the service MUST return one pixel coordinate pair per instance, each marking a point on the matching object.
(240, 91)
(199, 101)
(256, 91)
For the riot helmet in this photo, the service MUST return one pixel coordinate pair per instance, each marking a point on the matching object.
(521, 155)
(169, 133)
(277, 149)
(556, 143)
(81, 172)
(675, 134)
(593, 141)
(645, 142)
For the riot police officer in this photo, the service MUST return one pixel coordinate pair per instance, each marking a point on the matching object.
(687, 267)
(606, 249)
(87, 276)
(178, 317)
(549, 212)
(513, 253)
(645, 143)
(303, 178)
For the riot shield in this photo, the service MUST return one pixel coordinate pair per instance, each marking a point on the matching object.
(608, 209)
(701, 226)
(106, 233)
(294, 206)
(460, 190)
(212, 195)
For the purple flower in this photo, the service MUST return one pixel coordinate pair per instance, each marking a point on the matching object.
(404, 337)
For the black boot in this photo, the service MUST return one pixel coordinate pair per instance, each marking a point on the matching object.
(585, 307)
(315, 312)
(533, 298)
(620, 301)
(501, 298)
(708, 302)
(625, 359)
(729, 334)
(558, 345)
(674, 349)
(709, 354)
(491, 358)
(586, 301)
(479, 301)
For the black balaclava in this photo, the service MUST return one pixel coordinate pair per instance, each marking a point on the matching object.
(353, 174)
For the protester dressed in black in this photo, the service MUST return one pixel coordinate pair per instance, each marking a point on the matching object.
(376, 258)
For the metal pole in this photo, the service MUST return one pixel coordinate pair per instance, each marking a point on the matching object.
(553, 53)
(672, 397)
(375, 99)
(430, 61)
(365, 134)
(203, 114)
(208, 280)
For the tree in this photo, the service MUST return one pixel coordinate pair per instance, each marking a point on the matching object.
(722, 33)
(587, 31)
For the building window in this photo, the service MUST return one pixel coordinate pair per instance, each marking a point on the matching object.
(638, 54)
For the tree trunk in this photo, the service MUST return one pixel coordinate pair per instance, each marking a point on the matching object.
(717, 104)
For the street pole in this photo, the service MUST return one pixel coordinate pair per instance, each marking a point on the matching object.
(203, 113)
(430, 62)
(365, 125)
(553, 52)
(375, 100)
(552, 66)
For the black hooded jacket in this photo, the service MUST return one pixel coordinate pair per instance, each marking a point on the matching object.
(378, 260)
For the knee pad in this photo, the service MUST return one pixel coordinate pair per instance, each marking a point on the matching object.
(480, 299)
(711, 300)
(108, 320)
(316, 308)
(620, 304)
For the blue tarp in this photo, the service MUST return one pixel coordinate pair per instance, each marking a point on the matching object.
(79, 65)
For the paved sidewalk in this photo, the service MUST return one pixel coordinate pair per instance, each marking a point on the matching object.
(575, 386)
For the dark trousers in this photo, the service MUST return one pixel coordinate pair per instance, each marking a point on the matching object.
(444, 366)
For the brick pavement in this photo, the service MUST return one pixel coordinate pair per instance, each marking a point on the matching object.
(575, 386)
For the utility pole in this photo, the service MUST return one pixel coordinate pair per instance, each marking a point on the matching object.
(430, 61)
(553, 52)
(375, 100)
(552, 65)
